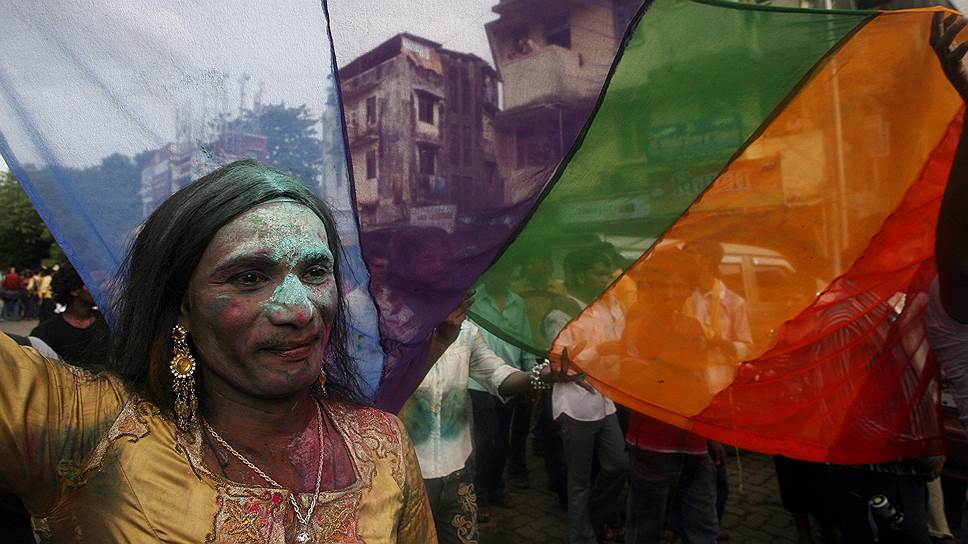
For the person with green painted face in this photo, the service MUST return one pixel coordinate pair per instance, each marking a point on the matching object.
(230, 410)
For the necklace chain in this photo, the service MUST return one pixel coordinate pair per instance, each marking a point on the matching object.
(303, 521)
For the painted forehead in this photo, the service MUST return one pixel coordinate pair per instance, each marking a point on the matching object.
(278, 229)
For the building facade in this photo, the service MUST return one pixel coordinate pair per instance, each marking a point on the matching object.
(553, 57)
(177, 164)
(419, 122)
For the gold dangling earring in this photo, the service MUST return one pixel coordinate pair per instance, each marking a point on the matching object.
(183, 369)
(322, 382)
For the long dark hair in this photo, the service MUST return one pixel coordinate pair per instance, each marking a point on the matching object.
(155, 276)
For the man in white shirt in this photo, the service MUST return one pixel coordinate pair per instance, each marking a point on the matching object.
(437, 417)
(587, 419)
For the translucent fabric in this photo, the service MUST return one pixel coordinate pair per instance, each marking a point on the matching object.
(446, 165)
(725, 212)
(782, 311)
(694, 83)
(106, 109)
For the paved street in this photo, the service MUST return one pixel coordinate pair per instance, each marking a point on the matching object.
(753, 514)
(18, 327)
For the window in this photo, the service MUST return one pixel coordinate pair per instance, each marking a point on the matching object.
(425, 108)
(535, 146)
(557, 31)
(371, 164)
(521, 44)
(426, 157)
(371, 110)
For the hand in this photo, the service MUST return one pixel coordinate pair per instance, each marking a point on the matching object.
(561, 375)
(943, 33)
(448, 329)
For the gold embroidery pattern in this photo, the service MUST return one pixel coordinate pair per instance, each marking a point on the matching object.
(42, 532)
(249, 515)
(466, 523)
(83, 375)
(131, 423)
(380, 434)
(335, 520)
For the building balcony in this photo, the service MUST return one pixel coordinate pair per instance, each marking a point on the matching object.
(549, 74)
(355, 86)
(427, 132)
(362, 133)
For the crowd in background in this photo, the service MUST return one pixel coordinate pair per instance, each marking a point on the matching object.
(26, 293)
(69, 322)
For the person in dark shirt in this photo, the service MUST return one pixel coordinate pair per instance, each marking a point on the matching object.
(79, 334)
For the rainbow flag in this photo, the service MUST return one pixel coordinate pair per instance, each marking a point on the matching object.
(736, 237)
(766, 184)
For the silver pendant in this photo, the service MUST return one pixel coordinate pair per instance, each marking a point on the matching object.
(302, 537)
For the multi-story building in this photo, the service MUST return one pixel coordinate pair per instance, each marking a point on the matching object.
(420, 127)
(553, 57)
(175, 165)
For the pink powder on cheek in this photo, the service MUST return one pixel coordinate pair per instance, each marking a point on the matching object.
(230, 313)
(219, 327)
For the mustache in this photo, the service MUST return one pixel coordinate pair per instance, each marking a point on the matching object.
(283, 343)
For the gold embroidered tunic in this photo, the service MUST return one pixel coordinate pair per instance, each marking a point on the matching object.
(93, 462)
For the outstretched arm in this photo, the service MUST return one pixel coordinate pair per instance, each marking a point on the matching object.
(951, 245)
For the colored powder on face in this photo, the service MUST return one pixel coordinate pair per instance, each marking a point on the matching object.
(292, 293)
(219, 304)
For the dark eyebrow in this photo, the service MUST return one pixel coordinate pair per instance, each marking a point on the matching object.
(262, 261)
(318, 256)
(247, 261)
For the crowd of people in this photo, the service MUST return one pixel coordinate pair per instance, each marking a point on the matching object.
(225, 406)
(26, 293)
(625, 476)
(68, 320)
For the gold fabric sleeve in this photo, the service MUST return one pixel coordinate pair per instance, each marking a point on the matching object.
(52, 416)
(416, 521)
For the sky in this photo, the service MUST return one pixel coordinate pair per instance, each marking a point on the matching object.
(66, 73)
(360, 25)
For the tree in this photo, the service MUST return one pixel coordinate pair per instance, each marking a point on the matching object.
(291, 135)
(24, 239)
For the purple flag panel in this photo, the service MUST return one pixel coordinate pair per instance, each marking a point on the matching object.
(457, 115)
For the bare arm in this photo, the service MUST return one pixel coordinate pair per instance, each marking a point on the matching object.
(520, 382)
(951, 244)
(448, 330)
(515, 384)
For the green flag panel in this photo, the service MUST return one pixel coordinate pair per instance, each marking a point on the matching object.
(693, 84)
